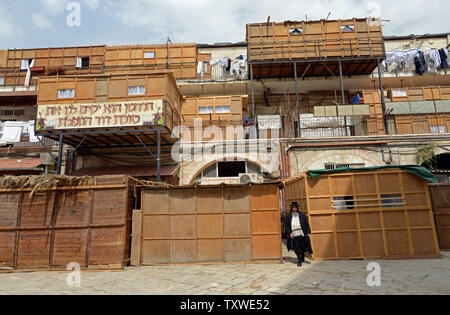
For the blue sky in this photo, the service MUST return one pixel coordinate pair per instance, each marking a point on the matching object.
(42, 23)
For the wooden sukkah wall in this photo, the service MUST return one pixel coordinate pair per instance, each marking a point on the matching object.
(440, 194)
(367, 214)
(209, 224)
(89, 224)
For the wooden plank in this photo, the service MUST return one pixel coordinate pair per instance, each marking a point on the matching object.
(136, 238)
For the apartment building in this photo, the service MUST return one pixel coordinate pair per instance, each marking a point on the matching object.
(313, 95)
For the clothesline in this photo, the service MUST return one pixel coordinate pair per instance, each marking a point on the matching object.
(12, 131)
(429, 61)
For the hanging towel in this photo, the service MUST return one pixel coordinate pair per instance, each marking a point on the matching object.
(33, 137)
(12, 131)
(200, 68)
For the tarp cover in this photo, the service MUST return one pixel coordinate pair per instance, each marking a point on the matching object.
(413, 169)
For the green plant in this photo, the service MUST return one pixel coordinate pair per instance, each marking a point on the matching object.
(426, 156)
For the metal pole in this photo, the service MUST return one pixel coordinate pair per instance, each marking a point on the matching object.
(158, 158)
(253, 92)
(383, 103)
(341, 80)
(60, 153)
(297, 100)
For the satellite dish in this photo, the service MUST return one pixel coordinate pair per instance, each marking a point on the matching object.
(244, 179)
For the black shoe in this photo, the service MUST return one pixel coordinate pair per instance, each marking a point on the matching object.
(299, 264)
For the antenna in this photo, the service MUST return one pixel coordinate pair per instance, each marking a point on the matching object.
(328, 16)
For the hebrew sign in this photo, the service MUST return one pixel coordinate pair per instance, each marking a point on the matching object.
(99, 115)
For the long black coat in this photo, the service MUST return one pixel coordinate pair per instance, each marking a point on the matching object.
(306, 230)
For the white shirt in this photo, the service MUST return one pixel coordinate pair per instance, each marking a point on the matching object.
(296, 226)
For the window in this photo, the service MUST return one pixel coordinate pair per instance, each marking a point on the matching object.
(391, 200)
(253, 168)
(25, 65)
(230, 169)
(211, 171)
(347, 28)
(334, 166)
(223, 109)
(66, 93)
(136, 90)
(438, 129)
(399, 93)
(344, 203)
(83, 62)
(205, 109)
(296, 31)
(2, 80)
(149, 55)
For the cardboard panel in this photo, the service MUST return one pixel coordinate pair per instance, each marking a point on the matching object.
(210, 250)
(237, 225)
(266, 246)
(155, 252)
(236, 200)
(156, 226)
(156, 201)
(182, 251)
(237, 250)
(182, 201)
(211, 226)
(182, 226)
(209, 201)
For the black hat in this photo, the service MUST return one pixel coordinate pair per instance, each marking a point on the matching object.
(294, 204)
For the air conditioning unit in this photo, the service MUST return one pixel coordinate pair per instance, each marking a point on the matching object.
(248, 178)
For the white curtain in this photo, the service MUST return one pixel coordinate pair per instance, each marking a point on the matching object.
(79, 62)
(205, 109)
(136, 90)
(69, 93)
(2, 80)
(223, 109)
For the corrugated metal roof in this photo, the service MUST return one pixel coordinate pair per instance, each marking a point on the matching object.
(19, 164)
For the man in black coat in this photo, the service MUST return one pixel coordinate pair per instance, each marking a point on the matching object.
(299, 233)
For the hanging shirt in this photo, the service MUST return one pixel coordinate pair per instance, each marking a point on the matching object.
(432, 59)
(296, 226)
(444, 58)
(419, 61)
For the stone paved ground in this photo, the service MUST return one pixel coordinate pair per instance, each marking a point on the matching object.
(329, 277)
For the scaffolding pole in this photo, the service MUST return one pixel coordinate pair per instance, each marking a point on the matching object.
(60, 154)
(297, 102)
(383, 102)
(341, 79)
